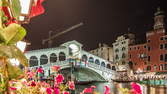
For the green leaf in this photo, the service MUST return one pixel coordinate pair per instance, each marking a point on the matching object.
(18, 36)
(15, 5)
(12, 34)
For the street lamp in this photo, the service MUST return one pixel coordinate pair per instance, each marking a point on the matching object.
(21, 45)
(26, 6)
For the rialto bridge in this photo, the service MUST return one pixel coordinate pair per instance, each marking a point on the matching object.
(73, 60)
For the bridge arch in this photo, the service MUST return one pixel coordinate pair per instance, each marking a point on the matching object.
(83, 74)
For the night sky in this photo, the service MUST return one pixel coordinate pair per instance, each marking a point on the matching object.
(103, 20)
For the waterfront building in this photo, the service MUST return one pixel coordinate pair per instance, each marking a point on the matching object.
(104, 51)
(120, 51)
(151, 56)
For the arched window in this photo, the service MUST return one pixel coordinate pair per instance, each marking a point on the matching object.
(116, 57)
(123, 55)
(91, 60)
(33, 61)
(108, 66)
(84, 58)
(62, 56)
(123, 48)
(43, 59)
(117, 50)
(113, 68)
(130, 64)
(161, 67)
(97, 62)
(53, 58)
(155, 67)
(103, 64)
(148, 68)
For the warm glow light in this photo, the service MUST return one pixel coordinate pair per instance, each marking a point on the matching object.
(14, 62)
(21, 45)
(21, 18)
(25, 6)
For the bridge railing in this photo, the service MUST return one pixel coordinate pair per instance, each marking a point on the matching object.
(101, 68)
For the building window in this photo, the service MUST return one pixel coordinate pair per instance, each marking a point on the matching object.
(53, 58)
(108, 66)
(116, 57)
(130, 56)
(148, 58)
(161, 67)
(123, 55)
(148, 68)
(123, 48)
(145, 46)
(148, 48)
(161, 46)
(155, 67)
(123, 62)
(165, 66)
(129, 48)
(148, 41)
(161, 57)
(165, 46)
(161, 38)
(33, 61)
(43, 59)
(165, 57)
(113, 68)
(116, 50)
(62, 56)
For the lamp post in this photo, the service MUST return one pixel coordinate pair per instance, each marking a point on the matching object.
(26, 6)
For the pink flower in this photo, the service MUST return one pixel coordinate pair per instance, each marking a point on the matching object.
(48, 90)
(56, 68)
(93, 86)
(66, 92)
(56, 90)
(13, 88)
(30, 74)
(87, 90)
(33, 83)
(59, 78)
(136, 88)
(107, 91)
(71, 85)
(40, 70)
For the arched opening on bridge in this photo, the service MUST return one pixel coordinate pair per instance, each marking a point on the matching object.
(33, 61)
(113, 68)
(103, 64)
(53, 58)
(43, 59)
(84, 58)
(97, 62)
(91, 59)
(108, 66)
(130, 64)
(62, 56)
